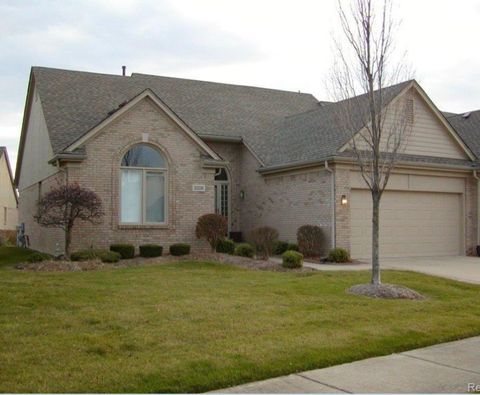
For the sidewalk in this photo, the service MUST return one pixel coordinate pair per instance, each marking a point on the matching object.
(444, 368)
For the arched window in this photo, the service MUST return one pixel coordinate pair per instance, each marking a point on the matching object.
(143, 186)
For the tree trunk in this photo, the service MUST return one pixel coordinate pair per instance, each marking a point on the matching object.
(68, 239)
(375, 239)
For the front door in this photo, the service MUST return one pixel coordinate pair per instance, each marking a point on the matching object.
(222, 195)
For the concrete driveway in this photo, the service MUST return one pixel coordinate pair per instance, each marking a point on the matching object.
(461, 268)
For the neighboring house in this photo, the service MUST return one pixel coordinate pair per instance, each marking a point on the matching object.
(8, 195)
(163, 151)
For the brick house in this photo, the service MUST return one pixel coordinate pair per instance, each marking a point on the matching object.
(163, 151)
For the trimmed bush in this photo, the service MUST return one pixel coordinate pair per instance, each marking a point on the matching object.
(338, 255)
(263, 240)
(292, 247)
(85, 255)
(225, 246)
(150, 250)
(280, 247)
(244, 249)
(109, 256)
(126, 251)
(292, 259)
(179, 249)
(310, 240)
(39, 257)
(212, 227)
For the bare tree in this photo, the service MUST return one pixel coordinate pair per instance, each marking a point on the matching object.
(378, 120)
(63, 205)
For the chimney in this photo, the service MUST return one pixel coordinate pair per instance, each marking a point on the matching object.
(124, 69)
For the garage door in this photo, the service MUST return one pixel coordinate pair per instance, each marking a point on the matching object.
(411, 224)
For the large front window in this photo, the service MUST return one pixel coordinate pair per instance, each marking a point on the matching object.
(143, 181)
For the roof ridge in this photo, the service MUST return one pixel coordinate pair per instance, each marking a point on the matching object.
(222, 83)
(78, 71)
(459, 114)
(322, 106)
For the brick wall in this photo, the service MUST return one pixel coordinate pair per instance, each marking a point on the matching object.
(342, 212)
(285, 201)
(471, 215)
(101, 173)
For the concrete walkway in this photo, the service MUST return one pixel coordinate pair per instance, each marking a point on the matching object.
(445, 368)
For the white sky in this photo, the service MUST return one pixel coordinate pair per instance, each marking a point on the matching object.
(269, 43)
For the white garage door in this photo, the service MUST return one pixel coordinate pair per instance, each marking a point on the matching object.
(411, 224)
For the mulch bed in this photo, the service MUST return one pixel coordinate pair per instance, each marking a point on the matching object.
(69, 266)
(385, 291)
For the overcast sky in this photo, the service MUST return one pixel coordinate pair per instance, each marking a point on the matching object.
(274, 44)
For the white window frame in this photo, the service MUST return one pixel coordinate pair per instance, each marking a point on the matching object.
(145, 170)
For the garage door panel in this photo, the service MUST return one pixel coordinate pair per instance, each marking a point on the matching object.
(411, 223)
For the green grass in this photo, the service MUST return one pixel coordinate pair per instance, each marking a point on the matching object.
(12, 255)
(191, 327)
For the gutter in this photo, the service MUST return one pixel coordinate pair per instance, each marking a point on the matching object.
(67, 157)
(334, 204)
(220, 139)
(342, 159)
(213, 163)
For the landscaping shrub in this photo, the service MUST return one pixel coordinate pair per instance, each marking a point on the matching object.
(109, 256)
(310, 240)
(212, 227)
(292, 247)
(85, 255)
(338, 255)
(263, 240)
(126, 251)
(150, 250)
(38, 257)
(245, 250)
(292, 259)
(280, 247)
(226, 246)
(180, 249)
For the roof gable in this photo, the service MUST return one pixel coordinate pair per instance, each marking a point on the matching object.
(4, 159)
(127, 107)
(431, 134)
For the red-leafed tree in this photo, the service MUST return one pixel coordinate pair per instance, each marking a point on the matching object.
(63, 205)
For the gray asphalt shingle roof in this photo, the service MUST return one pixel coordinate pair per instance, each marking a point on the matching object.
(468, 127)
(74, 102)
(281, 127)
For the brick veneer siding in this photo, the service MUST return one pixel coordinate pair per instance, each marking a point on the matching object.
(285, 201)
(471, 215)
(100, 171)
(342, 212)
(51, 240)
(232, 153)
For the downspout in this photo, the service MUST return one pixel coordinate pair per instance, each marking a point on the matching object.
(475, 175)
(332, 172)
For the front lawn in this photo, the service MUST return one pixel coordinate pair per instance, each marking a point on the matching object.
(10, 255)
(189, 327)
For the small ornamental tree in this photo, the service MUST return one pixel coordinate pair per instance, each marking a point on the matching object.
(263, 239)
(212, 227)
(64, 205)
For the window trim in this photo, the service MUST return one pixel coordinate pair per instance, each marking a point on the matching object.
(144, 170)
